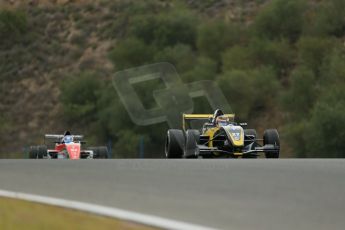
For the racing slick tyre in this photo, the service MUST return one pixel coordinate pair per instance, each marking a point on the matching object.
(174, 143)
(271, 137)
(99, 152)
(33, 152)
(37, 152)
(42, 151)
(94, 150)
(102, 152)
(192, 139)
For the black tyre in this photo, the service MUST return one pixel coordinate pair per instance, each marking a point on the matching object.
(174, 143)
(94, 150)
(37, 151)
(99, 152)
(42, 151)
(271, 137)
(103, 152)
(192, 139)
(33, 152)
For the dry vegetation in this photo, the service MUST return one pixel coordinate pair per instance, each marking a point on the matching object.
(287, 54)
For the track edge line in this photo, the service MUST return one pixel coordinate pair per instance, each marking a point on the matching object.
(145, 219)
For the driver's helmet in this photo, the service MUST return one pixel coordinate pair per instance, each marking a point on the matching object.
(67, 139)
(222, 121)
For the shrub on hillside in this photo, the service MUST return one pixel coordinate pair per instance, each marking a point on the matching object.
(143, 27)
(299, 99)
(278, 54)
(165, 29)
(296, 133)
(204, 69)
(13, 25)
(215, 36)
(249, 90)
(238, 57)
(332, 70)
(313, 50)
(131, 52)
(260, 52)
(180, 55)
(280, 19)
(176, 27)
(327, 125)
(128, 141)
(327, 19)
(79, 95)
(112, 115)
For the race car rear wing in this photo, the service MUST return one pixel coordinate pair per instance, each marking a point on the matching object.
(58, 137)
(187, 117)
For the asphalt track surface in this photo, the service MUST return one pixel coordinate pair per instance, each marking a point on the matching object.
(225, 194)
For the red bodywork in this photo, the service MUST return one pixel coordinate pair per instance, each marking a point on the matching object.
(72, 149)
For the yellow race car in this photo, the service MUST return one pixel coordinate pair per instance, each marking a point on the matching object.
(217, 135)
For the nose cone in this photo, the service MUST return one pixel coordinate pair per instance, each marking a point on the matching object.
(73, 150)
(235, 135)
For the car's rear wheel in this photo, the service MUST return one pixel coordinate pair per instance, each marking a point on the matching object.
(103, 152)
(33, 152)
(174, 143)
(192, 140)
(100, 152)
(38, 151)
(271, 137)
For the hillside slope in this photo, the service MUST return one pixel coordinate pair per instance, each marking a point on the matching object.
(275, 62)
(62, 38)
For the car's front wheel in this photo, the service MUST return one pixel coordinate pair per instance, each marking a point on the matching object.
(271, 137)
(174, 143)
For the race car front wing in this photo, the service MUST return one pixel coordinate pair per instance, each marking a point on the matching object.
(205, 151)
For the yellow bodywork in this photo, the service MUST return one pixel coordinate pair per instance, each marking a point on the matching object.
(231, 116)
(240, 141)
(211, 131)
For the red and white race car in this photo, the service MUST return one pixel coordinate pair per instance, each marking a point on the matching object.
(67, 146)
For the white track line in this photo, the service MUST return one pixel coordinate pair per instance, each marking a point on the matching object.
(149, 220)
